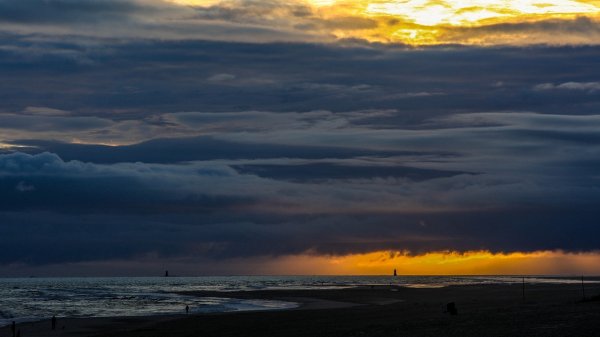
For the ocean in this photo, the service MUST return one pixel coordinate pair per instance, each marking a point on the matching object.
(33, 299)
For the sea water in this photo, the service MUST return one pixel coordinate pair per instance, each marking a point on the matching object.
(32, 299)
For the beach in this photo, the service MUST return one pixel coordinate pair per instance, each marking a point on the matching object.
(483, 310)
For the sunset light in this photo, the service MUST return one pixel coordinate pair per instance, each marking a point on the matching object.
(420, 22)
(382, 167)
(441, 263)
(466, 13)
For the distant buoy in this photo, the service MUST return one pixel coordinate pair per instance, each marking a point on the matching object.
(395, 274)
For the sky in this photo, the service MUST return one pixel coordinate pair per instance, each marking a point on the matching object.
(299, 137)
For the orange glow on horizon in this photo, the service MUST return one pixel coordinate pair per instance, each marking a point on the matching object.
(441, 263)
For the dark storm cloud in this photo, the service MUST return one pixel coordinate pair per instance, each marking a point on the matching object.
(137, 19)
(197, 148)
(208, 209)
(46, 182)
(63, 11)
(53, 238)
(167, 77)
(119, 147)
(322, 172)
(56, 123)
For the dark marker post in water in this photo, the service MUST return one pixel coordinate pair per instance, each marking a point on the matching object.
(582, 287)
(187, 309)
(53, 322)
(13, 328)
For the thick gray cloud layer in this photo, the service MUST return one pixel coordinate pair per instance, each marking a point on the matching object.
(123, 148)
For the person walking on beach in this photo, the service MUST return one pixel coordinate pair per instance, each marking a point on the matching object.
(187, 309)
(53, 322)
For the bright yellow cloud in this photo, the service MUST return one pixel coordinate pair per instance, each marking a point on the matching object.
(196, 2)
(424, 22)
(468, 12)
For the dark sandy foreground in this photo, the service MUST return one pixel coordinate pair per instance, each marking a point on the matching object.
(493, 310)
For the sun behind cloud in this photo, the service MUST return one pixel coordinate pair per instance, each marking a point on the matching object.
(472, 12)
(427, 22)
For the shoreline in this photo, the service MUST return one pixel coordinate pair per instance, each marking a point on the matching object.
(484, 310)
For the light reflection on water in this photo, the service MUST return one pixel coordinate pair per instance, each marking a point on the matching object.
(29, 299)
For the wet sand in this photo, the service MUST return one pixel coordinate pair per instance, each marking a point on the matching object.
(485, 310)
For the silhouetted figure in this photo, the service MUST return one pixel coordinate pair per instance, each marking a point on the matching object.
(166, 273)
(395, 274)
(451, 308)
(53, 322)
(13, 328)
(187, 309)
(18, 333)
